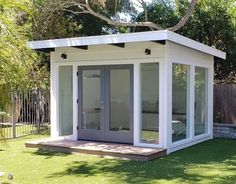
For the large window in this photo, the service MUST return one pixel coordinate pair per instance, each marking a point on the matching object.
(150, 102)
(65, 100)
(119, 99)
(200, 118)
(180, 107)
(91, 112)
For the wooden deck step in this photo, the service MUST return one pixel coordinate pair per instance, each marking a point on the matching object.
(103, 149)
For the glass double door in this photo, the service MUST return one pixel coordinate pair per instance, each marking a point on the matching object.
(106, 103)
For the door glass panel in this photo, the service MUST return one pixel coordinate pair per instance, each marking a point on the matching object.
(200, 125)
(65, 100)
(150, 102)
(91, 92)
(180, 102)
(119, 99)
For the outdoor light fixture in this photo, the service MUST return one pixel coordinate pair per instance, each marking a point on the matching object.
(147, 51)
(64, 56)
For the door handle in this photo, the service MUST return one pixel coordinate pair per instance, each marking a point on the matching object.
(102, 104)
(84, 119)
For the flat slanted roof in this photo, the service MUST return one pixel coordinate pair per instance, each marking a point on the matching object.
(125, 38)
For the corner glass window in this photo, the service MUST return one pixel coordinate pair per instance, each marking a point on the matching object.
(150, 102)
(65, 101)
(200, 118)
(180, 102)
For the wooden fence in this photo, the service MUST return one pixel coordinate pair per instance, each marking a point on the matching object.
(225, 103)
(25, 113)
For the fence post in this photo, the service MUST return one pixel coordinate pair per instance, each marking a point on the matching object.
(37, 111)
(13, 100)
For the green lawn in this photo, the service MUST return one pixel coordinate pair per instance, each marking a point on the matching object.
(211, 162)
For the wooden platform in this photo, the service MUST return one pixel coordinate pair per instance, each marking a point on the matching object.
(102, 149)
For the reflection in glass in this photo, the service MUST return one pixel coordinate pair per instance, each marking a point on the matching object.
(65, 100)
(200, 125)
(119, 99)
(91, 99)
(150, 102)
(180, 88)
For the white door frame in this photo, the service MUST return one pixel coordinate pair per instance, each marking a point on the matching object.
(136, 96)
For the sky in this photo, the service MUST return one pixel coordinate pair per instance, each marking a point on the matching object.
(136, 2)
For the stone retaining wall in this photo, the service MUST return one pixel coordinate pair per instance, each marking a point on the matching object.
(224, 130)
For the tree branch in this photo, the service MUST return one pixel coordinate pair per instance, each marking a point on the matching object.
(86, 8)
(185, 18)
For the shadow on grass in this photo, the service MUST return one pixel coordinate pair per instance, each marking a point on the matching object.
(48, 154)
(196, 164)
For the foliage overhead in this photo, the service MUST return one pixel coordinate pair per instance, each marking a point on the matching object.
(18, 64)
(75, 15)
(213, 23)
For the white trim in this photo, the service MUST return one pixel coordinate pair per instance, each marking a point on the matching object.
(168, 107)
(148, 145)
(194, 45)
(191, 102)
(137, 104)
(75, 104)
(210, 77)
(139, 141)
(99, 40)
(166, 98)
(137, 94)
(55, 129)
(188, 142)
(127, 38)
(54, 98)
(162, 94)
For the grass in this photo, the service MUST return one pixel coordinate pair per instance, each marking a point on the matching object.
(211, 162)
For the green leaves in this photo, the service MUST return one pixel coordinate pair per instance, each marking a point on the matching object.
(19, 66)
(213, 23)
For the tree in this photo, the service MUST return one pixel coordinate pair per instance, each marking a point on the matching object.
(213, 23)
(59, 14)
(49, 23)
(2, 138)
(18, 64)
(20, 67)
(161, 12)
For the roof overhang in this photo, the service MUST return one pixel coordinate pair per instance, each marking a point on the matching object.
(120, 39)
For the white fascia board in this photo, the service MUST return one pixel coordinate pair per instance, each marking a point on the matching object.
(127, 38)
(99, 40)
(171, 36)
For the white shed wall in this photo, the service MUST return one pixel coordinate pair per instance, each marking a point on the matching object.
(133, 53)
(183, 55)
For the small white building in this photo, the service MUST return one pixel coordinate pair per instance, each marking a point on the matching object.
(149, 89)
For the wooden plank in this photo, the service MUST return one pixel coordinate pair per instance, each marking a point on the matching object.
(99, 148)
